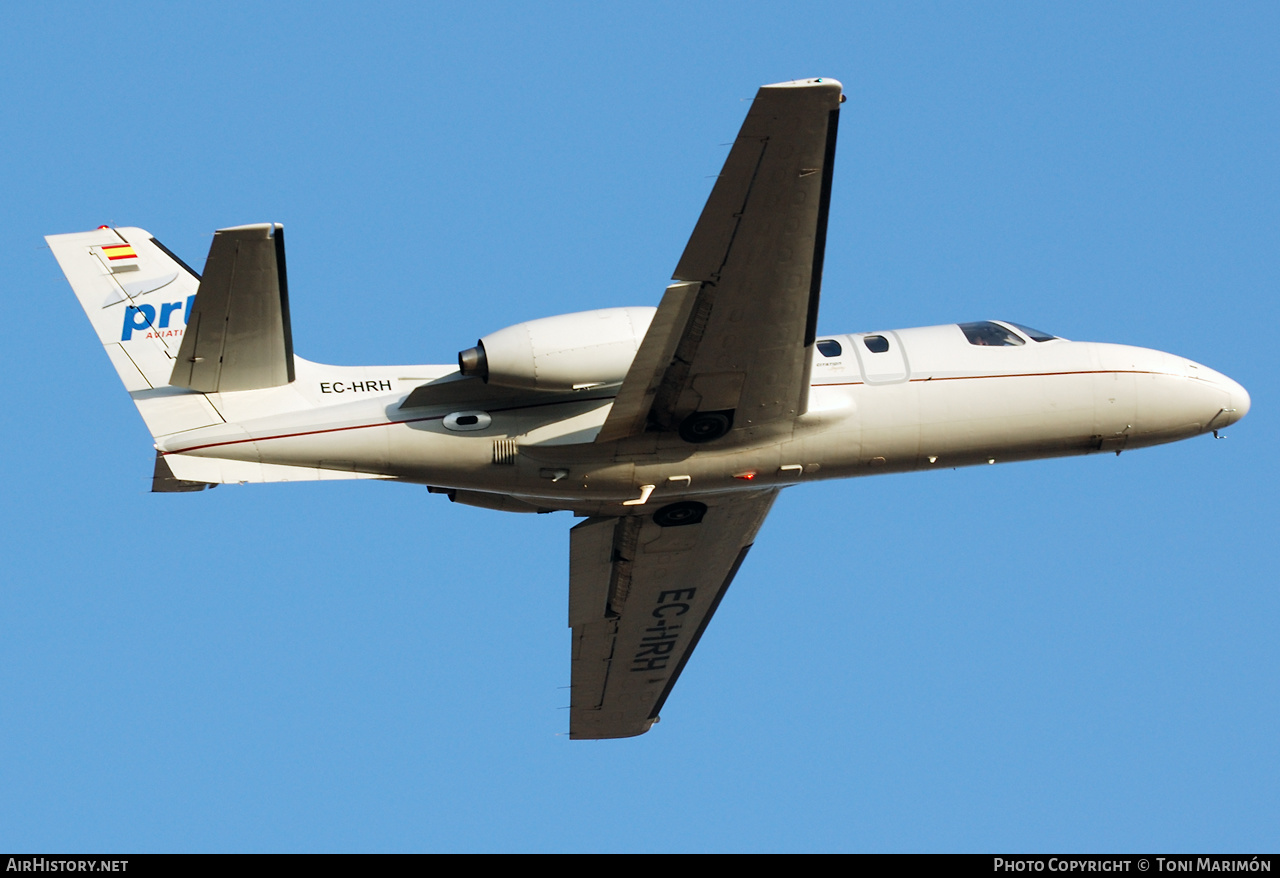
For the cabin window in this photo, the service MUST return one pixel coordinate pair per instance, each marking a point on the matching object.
(829, 347)
(990, 334)
(877, 344)
(1033, 334)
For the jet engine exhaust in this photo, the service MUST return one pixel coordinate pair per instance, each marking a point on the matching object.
(473, 362)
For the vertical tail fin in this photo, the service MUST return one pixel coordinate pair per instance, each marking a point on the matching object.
(138, 296)
(232, 337)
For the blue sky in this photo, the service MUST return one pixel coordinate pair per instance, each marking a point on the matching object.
(1066, 655)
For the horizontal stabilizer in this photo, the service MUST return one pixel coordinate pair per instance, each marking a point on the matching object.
(165, 482)
(238, 335)
(213, 471)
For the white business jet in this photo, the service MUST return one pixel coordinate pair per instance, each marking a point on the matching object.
(670, 430)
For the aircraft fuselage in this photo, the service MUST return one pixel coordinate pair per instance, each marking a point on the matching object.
(884, 402)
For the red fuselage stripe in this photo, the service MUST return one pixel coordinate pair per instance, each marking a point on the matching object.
(1013, 375)
(598, 398)
(366, 426)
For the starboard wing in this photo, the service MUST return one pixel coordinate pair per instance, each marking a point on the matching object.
(732, 343)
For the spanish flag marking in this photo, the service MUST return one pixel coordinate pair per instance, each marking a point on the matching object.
(115, 252)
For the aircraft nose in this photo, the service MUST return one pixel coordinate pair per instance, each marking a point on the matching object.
(1237, 403)
(1239, 400)
(1178, 398)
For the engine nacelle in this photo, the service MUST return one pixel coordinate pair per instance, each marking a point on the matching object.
(568, 352)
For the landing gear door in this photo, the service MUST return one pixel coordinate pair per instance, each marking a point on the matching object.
(881, 357)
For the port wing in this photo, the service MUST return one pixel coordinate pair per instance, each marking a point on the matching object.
(642, 589)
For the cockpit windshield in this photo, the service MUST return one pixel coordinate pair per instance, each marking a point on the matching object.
(990, 334)
(1033, 334)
